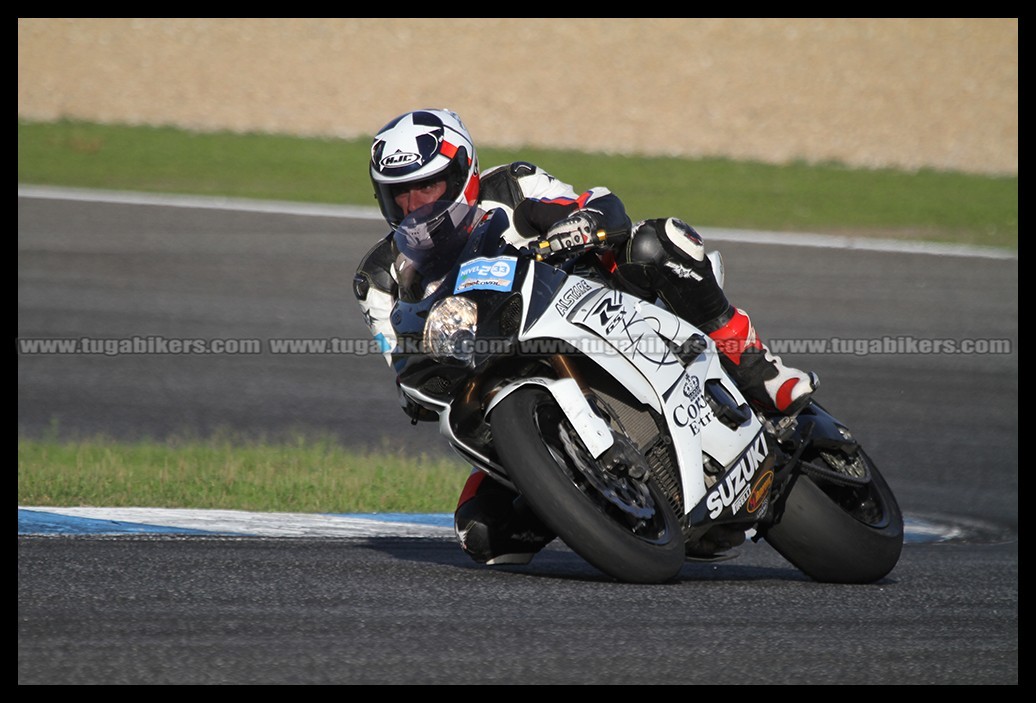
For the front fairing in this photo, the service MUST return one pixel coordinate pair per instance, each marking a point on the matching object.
(482, 268)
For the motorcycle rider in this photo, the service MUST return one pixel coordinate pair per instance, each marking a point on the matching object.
(426, 156)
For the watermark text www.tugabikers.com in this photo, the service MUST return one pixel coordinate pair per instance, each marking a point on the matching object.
(150, 344)
(900, 344)
(161, 345)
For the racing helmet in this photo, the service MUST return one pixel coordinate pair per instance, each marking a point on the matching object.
(420, 145)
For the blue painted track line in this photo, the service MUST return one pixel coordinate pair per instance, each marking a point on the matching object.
(123, 521)
(34, 522)
(159, 521)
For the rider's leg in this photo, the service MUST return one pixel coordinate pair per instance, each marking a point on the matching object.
(765, 380)
(495, 526)
(666, 258)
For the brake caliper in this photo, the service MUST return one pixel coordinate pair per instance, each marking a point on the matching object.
(622, 459)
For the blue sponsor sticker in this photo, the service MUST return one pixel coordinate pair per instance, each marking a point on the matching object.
(487, 274)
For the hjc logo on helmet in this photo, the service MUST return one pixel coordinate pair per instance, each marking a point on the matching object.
(398, 160)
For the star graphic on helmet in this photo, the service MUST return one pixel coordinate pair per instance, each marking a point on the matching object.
(402, 138)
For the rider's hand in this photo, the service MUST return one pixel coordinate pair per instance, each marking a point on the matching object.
(579, 231)
(415, 412)
(418, 413)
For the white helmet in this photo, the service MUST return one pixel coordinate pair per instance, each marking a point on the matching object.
(419, 145)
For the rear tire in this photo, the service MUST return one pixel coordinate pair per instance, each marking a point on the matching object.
(839, 534)
(625, 528)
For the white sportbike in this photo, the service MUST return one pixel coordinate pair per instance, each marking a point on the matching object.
(615, 420)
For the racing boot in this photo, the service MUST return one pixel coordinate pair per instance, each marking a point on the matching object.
(495, 525)
(762, 377)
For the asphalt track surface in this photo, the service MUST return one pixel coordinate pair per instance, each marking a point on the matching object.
(404, 609)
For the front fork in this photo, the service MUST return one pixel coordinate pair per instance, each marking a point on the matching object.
(622, 458)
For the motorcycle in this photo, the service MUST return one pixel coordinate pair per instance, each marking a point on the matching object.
(614, 418)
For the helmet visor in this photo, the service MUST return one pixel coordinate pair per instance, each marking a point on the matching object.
(455, 174)
(429, 241)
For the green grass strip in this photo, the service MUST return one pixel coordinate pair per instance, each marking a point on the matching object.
(828, 198)
(301, 475)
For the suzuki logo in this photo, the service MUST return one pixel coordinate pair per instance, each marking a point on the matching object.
(736, 488)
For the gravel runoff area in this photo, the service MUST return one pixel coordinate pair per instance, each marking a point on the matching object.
(905, 93)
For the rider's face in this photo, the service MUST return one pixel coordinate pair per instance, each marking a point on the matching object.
(412, 196)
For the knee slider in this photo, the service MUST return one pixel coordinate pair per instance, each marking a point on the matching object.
(661, 240)
(684, 238)
(477, 523)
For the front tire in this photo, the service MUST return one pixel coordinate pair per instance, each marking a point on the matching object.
(624, 527)
(839, 534)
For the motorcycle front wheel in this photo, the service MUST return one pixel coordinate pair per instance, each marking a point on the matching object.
(839, 533)
(624, 527)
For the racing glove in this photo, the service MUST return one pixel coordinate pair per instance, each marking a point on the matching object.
(416, 413)
(578, 232)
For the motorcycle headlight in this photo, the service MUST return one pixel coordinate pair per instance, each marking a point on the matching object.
(449, 332)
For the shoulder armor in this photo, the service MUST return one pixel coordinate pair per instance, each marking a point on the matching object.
(501, 184)
(522, 168)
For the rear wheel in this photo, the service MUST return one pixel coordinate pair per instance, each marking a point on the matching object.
(623, 526)
(839, 521)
